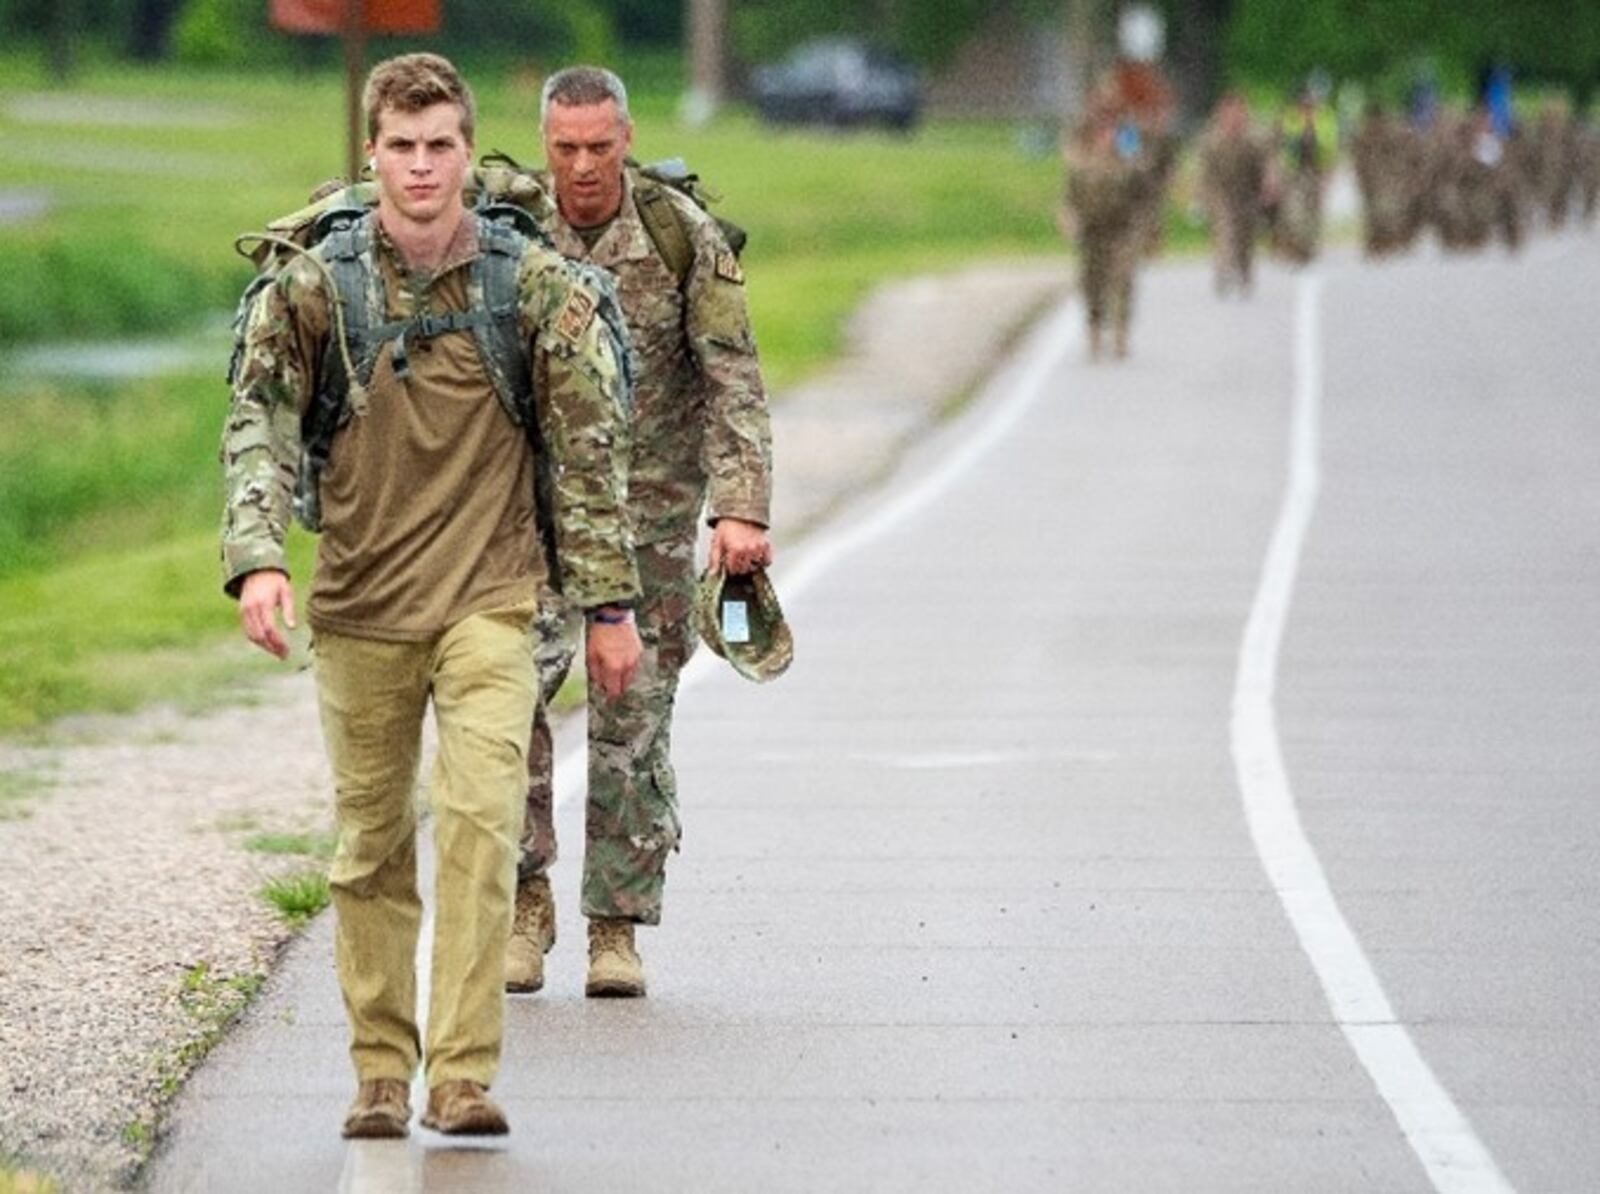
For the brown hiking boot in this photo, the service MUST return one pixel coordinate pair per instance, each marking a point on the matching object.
(533, 932)
(614, 965)
(463, 1108)
(382, 1111)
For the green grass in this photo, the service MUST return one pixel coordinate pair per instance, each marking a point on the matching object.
(828, 215)
(311, 845)
(297, 897)
(84, 467)
(115, 629)
(109, 492)
(213, 1002)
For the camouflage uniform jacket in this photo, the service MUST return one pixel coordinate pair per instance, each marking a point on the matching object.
(1232, 170)
(701, 433)
(578, 384)
(1104, 190)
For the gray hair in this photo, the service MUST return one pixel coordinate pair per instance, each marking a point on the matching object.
(579, 86)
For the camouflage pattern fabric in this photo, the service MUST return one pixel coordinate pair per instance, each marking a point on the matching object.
(1589, 173)
(701, 442)
(1163, 150)
(1555, 152)
(701, 434)
(1232, 171)
(1390, 164)
(766, 646)
(1477, 187)
(631, 819)
(1297, 224)
(261, 439)
(579, 389)
(1109, 197)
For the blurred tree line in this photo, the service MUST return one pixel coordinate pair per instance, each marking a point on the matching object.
(1271, 42)
(236, 32)
(1387, 41)
(221, 31)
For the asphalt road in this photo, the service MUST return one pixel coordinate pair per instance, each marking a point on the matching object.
(1038, 873)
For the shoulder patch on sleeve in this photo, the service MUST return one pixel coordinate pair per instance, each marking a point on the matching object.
(575, 316)
(727, 268)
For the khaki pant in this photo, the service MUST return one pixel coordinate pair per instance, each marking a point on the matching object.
(373, 696)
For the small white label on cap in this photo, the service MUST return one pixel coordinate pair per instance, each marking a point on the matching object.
(735, 622)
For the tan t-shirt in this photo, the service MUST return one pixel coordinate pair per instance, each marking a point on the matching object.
(427, 498)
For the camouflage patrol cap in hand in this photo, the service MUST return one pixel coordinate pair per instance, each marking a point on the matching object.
(739, 618)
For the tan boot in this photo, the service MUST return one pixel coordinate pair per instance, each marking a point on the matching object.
(462, 1108)
(614, 965)
(533, 932)
(381, 1111)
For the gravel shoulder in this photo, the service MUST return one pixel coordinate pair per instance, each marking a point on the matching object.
(131, 922)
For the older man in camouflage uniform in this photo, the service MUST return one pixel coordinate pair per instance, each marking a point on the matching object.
(428, 570)
(700, 429)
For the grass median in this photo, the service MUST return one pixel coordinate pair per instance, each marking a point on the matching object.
(109, 491)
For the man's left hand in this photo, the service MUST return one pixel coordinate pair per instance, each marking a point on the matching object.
(612, 656)
(738, 547)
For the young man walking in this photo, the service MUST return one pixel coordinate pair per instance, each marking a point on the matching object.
(701, 441)
(429, 566)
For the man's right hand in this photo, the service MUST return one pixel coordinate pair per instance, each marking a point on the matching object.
(261, 596)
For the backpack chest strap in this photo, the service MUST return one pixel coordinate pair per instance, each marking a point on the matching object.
(419, 328)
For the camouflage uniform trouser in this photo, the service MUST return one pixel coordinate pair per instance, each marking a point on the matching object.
(631, 818)
(1233, 244)
(1108, 261)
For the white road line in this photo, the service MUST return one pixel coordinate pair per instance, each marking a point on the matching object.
(372, 1166)
(1455, 1159)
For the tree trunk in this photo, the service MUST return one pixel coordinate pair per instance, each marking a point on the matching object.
(708, 58)
(1086, 53)
(150, 37)
(1198, 29)
(59, 45)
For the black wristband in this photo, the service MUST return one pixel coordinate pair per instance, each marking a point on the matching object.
(610, 615)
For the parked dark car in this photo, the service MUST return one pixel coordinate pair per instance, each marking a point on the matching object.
(838, 82)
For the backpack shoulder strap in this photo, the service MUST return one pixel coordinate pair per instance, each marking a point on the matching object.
(358, 290)
(492, 283)
(665, 225)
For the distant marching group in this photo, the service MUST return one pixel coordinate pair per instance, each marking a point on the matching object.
(1472, 177)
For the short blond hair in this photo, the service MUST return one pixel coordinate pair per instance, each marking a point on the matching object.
(412, 82)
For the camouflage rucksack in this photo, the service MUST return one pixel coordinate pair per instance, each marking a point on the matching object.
(335, 232)
(662, 220)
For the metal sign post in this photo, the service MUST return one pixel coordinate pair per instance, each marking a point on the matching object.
(355, 60)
